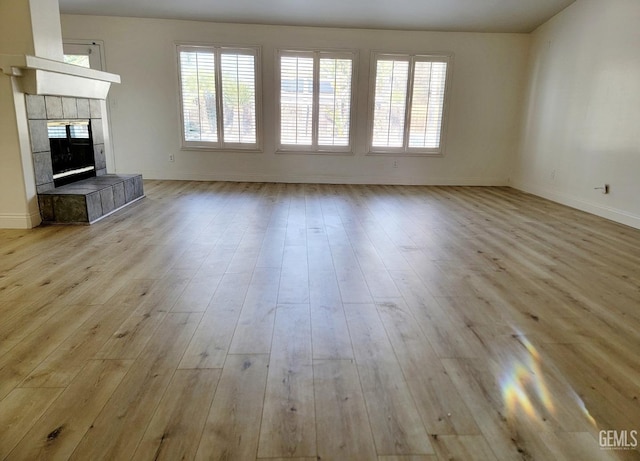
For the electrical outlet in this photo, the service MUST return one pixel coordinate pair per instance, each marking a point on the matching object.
(553, 175)
(395, 164)
(172, 158)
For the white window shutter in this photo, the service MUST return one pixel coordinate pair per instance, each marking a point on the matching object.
(334, 102)
(296, 100)
(239, 97)
(390, 102)
(198, 80)
(427, 104)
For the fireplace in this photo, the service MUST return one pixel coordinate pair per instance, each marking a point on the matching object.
(67, 143)
(72, 156)
(38, 87)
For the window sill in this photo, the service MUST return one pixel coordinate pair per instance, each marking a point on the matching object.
(314, 152)
(221, 150)
(404, 154)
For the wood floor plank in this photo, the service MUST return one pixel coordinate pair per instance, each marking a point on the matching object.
(27, 318)
(211, 341)
(526, 368)
(445, 330)
(353, 286)
(217, 261)
(246, 254)
(467, 447)
(58, 432)
(342, 423)
(440, 405)
(61, 366)
(598, 394)
(197, 294)
(193, 256)
(288, 419)
(121, 424)
(395, 422)
(156, 262)
(319, 257)
(408, 458)
(381, 285)
(500, 429)
(289, 459)
(329, 331)
(23, 358)
(130, 338)
(19, 411)
(233, 424)
(272, 248)
(581, 445)
(176, 426)
(294, 276)
(255, 325)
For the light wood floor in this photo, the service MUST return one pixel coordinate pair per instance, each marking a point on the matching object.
(317, 322)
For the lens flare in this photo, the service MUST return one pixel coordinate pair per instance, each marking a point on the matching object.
(584, 409)
(524, 388)
(523, 381)
(514, 392)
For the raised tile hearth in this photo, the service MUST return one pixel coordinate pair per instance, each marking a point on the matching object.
(89, 200)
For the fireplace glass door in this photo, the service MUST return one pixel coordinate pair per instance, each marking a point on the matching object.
(72, 155)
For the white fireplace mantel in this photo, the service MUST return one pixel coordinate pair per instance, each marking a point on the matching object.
(48, 77)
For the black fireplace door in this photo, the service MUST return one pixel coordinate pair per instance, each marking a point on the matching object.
(72, 155)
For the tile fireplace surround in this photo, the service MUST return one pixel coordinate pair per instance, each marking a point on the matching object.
(40, 110)
(88, 200)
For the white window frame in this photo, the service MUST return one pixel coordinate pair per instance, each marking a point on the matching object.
(412, 58)
(317, 54)
(221, 145)
(91, 48)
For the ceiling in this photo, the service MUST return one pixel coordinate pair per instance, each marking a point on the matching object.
(448, 15)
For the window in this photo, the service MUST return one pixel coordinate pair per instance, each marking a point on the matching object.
(83, 53)
(81, 60)
(408, 103)
(219, 97)
(315, 100)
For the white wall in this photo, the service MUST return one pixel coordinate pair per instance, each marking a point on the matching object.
(13, 198)
(15, 33)
(581, 126)
(18, 201)
(489, 73)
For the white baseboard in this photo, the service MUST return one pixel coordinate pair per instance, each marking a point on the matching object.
(19, 221)
(597, 209)
(325, 179)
